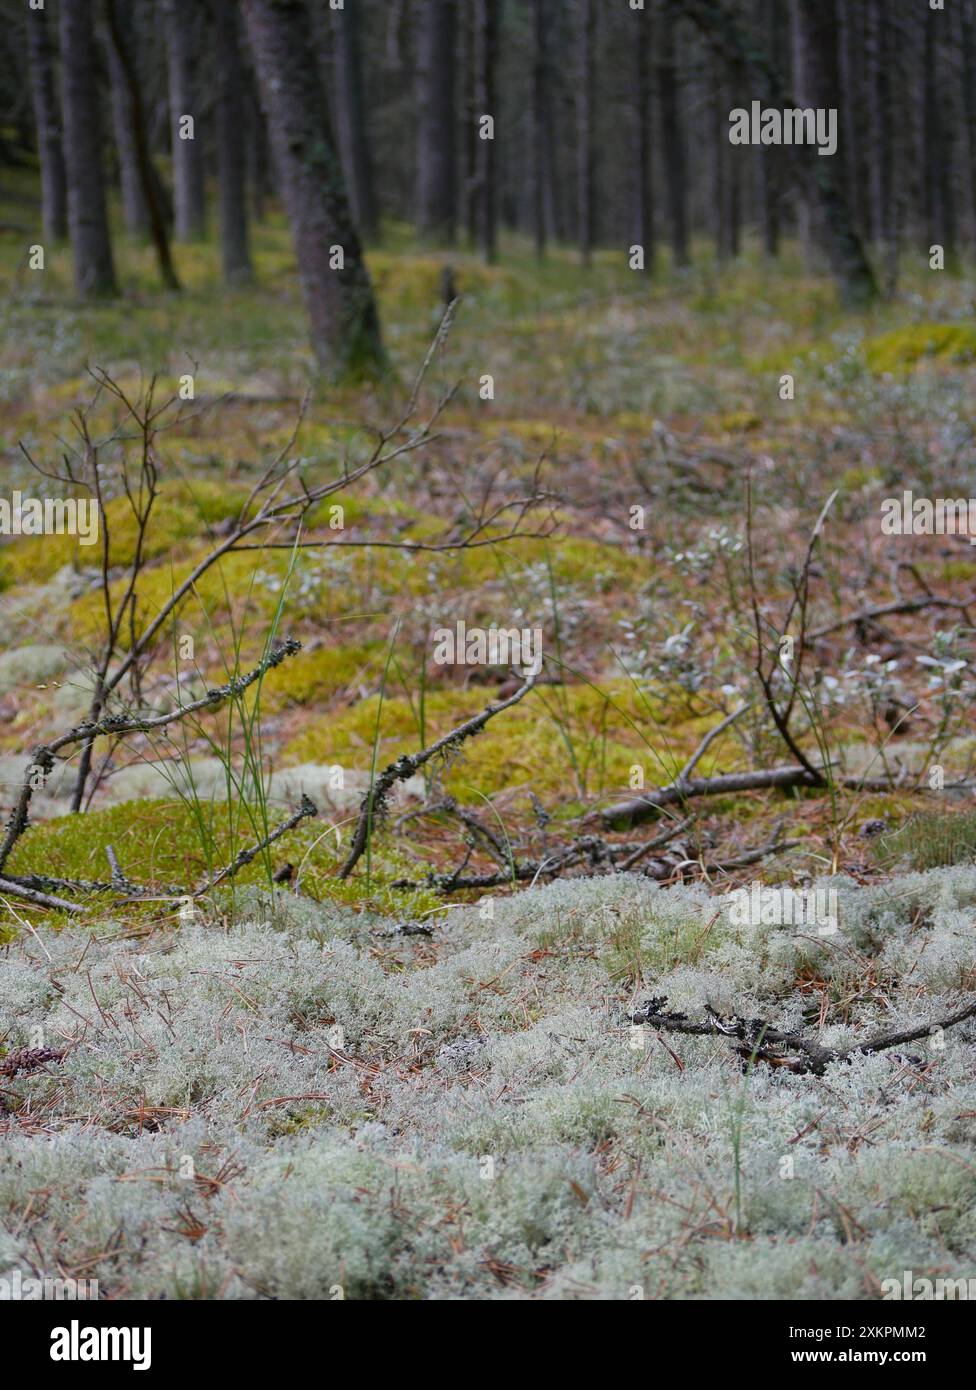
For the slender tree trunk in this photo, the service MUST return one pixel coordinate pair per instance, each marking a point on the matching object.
(467, 150)
(939, 203)
(585, 160)
(806, 209)
(87, 215)
(135, 211)
(884, 200)
(138, 138)
(643, 212)
(436, 193)
(351, 118)
(768, 167)
(182, 41)
(719, 197)
(968, 23)
(542, 168)
(486, 44)
(338, 297)
(673, 140)
(850, 54)
(231, 150)
(47, 116)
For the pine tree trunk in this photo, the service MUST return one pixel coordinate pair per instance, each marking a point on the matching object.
(436, 194)
(768, 171)
(968, 20)
(149, 184)
(231, 148)
(47, 116)
(822, 182)
(586, 19)
(87, 216)
(543, 136)
(938, 209)
(351, 118)
(718, 119)
(672, 136)
(135, 212)
(486, 43)
(345, 326)
(643, 213)
(182, 41)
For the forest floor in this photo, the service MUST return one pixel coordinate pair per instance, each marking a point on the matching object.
(658, 1166)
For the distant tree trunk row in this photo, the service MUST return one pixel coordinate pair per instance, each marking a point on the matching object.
(599, 126)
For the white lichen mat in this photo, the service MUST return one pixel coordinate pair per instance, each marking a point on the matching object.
(311, 1104)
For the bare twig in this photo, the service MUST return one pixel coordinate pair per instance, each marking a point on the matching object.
(757, 1037)
(43, 756)
(404, 767)
(306, 809)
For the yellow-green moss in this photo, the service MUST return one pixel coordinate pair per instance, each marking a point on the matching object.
(159, 842)
(181, 513)
(904, 348)
(568, 740)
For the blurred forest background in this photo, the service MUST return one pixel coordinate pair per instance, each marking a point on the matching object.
(609, 128)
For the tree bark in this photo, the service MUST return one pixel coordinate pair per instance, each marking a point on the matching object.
(148, 181)
(231, 147)
(91, 245)
(182, 42)
(342, 311)
(968, 23)
(768, 181)
(436, 192)
(718, 119)
(135, 210)
(485, 52)
(586, 20)
(643, 211)
(824, 179)
(543, 141)
(44, 95)
(938, 203)
(673, 140)
(351, 119)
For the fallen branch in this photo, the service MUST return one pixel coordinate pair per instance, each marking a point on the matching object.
(306, 809)
(601, 856)
(36, 896)
(626, 814)
(645, 807)
(756, 1037)
(374, 801)
(884, 610)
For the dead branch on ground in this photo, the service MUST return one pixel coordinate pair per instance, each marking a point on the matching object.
(757, 1040)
